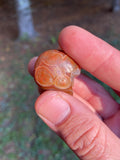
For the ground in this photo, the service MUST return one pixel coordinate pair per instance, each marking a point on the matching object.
(22, 134)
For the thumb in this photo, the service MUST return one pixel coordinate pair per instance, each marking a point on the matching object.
(78, 126)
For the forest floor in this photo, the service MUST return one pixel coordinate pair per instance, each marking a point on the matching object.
(22, 134)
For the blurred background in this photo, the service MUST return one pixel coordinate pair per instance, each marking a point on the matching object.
(27, 28)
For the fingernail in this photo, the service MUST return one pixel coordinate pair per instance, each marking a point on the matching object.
(54, 109)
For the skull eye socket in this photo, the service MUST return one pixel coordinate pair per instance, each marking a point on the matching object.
(62, 82)
(43, 76)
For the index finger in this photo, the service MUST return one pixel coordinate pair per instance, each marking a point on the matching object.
(92, 54)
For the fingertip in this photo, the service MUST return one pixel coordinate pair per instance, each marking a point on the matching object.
(31, 65)
(52, 108)
(65, 35)
(43, 98)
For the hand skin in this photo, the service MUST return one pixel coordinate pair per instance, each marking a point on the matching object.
(88, 121)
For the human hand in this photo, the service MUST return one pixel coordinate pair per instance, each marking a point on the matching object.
(88, 121)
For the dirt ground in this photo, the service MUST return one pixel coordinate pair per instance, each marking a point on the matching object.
(50, 17)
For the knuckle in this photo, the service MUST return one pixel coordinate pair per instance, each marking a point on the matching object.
(94, 144)
(86, 138)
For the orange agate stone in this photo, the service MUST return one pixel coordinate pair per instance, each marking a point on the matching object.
(54, 70)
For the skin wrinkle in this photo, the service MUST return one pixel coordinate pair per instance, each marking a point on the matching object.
(75, 128)
(102, 64)
(68, 123)
(89, 153)
(101, 154)
(109, 72)
(71, 131)
(75, 145)
(105, 144)
(86, 154)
